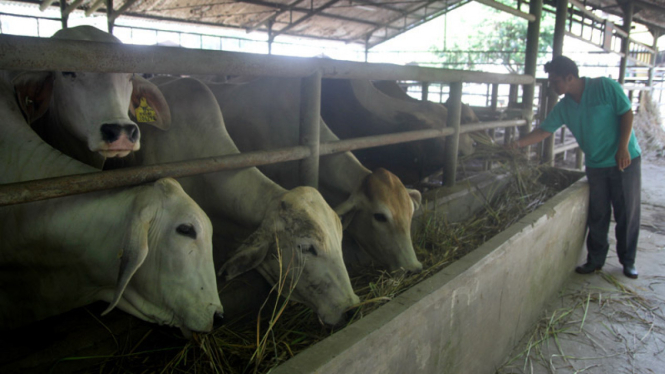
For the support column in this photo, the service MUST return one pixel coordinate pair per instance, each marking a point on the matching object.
(557, 50)
(64, 16)
(109, 16)
(625, 44)
(530, 65)
(424, 91)
(452, 142)
(656, 34)
(310, 117)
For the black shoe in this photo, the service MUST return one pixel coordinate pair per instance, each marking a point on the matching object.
(630, 271)
(587, 268)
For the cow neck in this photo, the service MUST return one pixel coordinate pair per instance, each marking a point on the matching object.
(47, 235)
(57, 136)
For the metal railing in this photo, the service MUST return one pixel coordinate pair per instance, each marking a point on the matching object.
(27, 53)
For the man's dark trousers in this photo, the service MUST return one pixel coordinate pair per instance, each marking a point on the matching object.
(611, 188)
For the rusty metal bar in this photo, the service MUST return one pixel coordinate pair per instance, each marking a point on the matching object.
(470, 127)
(379, 140)
(42, 189)
(310, 118)
(565, 148)
(452, 142)
(29, 53)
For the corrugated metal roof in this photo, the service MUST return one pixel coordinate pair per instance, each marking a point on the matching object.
(367, 22)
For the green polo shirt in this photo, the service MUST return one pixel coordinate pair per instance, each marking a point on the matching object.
(595, 121)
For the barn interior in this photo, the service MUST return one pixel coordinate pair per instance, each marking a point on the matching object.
(361, 22)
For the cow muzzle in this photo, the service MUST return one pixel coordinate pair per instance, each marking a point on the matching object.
(119, 140)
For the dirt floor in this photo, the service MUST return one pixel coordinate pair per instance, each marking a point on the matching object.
(606, 322)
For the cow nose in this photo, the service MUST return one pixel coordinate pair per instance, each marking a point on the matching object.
(349, 314)
(112, 132)
(132, 133)
(218, 320)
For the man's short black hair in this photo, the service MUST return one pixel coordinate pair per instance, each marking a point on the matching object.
(562, 66)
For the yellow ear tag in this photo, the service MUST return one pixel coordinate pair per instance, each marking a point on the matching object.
(144, 113)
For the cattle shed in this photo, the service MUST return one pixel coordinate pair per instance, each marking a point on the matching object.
(478, 307)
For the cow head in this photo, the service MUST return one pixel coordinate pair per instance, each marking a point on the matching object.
(93, 108)
(166, 271)
(299, 244)
(378, 216)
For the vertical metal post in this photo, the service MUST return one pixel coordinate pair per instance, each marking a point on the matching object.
(557, 50)
(310, 117)
(495, 96)
(656, 35)
(109, 16)
(270, 37)
(625, 43)
(530, 64)
(424, 90)
(452, 142)
(64, 16)
(579, 158)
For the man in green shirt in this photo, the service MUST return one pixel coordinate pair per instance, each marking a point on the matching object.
(599, 115)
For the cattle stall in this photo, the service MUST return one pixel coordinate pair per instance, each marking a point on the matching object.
(474, 280)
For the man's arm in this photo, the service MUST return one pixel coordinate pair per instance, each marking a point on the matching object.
(533, 137)
(625, 128)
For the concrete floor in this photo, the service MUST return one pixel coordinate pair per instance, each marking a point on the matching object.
(606, 322)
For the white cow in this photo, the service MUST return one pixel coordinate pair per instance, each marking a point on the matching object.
(375, 206)
(298, 221)
(146, 250)
(84, 114)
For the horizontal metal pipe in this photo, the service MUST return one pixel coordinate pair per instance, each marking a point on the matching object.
(508, 9)
(470, 127)
(565, 148)
(16, 193)
(379, 140)
(29, 53)
(42, 189)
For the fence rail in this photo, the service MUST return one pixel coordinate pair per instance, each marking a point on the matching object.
(29, 53)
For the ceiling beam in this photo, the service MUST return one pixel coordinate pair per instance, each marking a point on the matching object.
(306, 17)
(270, 18)
(128, 4)
(508, 9)
(410, 12)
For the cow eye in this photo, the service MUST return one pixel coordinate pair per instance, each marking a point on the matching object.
(308, 249)
(380, 217)
(186, 230)
(69, 74)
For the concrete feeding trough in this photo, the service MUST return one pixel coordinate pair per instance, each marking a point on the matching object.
(467, 317)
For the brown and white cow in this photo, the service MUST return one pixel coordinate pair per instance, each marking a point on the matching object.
(146, 250)
(375, 207)
(85, 114)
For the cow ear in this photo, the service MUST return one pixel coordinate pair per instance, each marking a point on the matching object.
(347, 211)
(248, 256)
(135, 248)
(416, 197)
(148, 105)
(33, 90)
